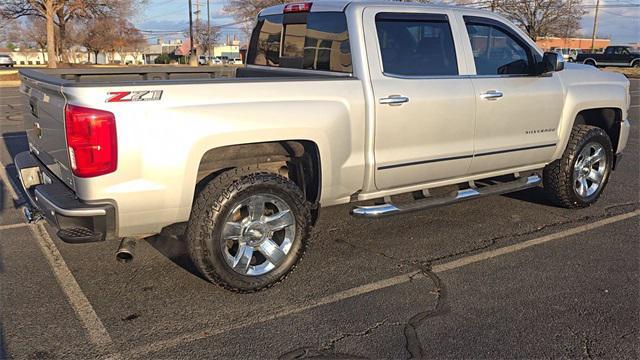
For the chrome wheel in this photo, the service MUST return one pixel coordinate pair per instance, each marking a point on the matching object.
(589, 170)
(257, 234)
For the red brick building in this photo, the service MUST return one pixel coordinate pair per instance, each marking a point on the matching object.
(548, 43)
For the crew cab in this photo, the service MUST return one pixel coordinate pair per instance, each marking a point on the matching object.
(612, 56)
(339, 102)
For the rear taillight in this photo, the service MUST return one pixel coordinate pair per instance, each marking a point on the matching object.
(297, 7)
(91, 139)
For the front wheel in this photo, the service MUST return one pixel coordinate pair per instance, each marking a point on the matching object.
(248, 229)
(579, 177)
(590, 63)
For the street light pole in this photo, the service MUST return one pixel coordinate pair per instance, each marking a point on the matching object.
(595, 27)
(208, 30)
(191, 52)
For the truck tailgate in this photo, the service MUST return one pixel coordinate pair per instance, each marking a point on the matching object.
(44, 124)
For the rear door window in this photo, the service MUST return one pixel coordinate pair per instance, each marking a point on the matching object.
(416, 44)
(312, 41)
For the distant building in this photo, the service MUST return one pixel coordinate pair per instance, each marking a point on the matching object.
(25, 56)
(551, 43)
(153, 51)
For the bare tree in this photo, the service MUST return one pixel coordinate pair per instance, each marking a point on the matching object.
(13, 9)
(58, 13)
(111, 35)
(538, 17)
(97, 35)
(203, 37)
(33, 34)
(246, 11)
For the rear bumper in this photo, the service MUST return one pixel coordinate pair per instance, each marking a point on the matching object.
(76, 220)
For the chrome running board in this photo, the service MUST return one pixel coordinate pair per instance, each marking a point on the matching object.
(388, 209)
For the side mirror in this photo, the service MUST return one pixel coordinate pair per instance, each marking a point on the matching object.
(551, 61)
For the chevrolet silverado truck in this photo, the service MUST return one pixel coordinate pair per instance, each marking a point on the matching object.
(394, 107)
(612, 56)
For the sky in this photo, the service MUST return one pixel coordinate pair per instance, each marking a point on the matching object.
(160, 17)
(621, 24)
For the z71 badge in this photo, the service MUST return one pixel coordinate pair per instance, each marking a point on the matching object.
(143, 95)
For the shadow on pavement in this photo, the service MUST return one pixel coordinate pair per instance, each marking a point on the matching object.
(534, 195)
(15, 143)
(170, 243)
(3, 348)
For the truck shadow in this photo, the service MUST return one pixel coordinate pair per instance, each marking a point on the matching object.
(170, 243)
(534, 195)
(14, 143)
(3, 348)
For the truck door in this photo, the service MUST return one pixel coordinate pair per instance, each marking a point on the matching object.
(424, 108)
(517, 113)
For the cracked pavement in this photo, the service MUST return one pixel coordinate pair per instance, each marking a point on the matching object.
(577, 297)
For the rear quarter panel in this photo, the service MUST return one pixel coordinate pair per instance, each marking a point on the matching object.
(161, 143)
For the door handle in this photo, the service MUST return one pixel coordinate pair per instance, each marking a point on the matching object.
(394, 100)
(491, 95)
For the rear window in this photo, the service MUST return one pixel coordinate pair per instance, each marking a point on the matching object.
(311, 41)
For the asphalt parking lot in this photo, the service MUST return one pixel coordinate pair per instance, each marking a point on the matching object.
(500, 277)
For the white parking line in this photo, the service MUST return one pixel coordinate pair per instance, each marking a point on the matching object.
(145, 350)
(14, 226)
(96, 332)
(8, 183)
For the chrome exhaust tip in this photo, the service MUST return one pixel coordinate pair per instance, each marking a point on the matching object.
(126, 250)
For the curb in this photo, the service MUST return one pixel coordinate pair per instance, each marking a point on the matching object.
(11, 83)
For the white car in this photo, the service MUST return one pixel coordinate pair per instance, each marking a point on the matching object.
(6, 60)
(203, 60)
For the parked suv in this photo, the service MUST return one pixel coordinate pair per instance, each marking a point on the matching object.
(340, 102)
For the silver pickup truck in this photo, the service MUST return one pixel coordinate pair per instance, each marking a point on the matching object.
(340, 102)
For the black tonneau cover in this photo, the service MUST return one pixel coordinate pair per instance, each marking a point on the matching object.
(166, 75)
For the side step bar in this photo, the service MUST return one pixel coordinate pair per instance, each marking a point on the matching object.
(388, 209)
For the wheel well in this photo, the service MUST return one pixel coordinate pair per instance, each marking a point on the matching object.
(604, 118)
(299, 160)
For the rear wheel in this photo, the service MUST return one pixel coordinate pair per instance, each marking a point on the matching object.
(248, 229)
(579, 177)
(590, 62)
(636, 64)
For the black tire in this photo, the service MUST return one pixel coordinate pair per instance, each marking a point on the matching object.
(559, 177)
(591, 63)
(216, 202)
(635, 64)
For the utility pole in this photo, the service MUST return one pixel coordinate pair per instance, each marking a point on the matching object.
(208, 30)
(197, 12)
(193, 61)
(595, 27)
(566, 30)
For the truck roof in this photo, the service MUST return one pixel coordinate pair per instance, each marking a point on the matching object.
(334, 5)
